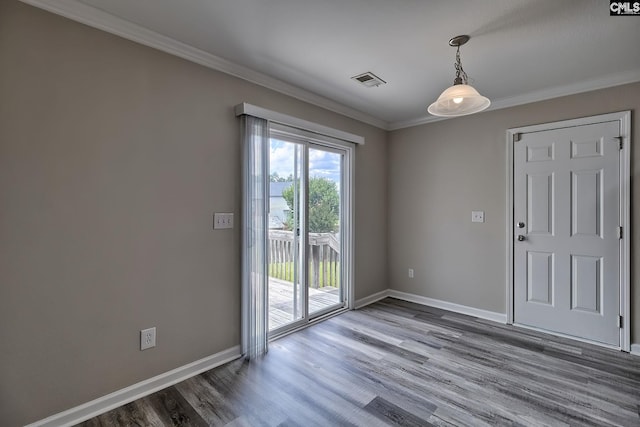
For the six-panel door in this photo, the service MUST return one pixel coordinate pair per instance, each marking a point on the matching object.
(566, 251)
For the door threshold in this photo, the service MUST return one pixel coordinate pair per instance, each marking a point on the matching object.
(571, 337)
(296, 328)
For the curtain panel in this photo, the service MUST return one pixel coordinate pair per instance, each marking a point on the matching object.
(255, 216)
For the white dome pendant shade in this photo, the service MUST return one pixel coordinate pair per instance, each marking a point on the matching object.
(460, 99)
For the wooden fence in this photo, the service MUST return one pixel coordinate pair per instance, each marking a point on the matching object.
(324, 257)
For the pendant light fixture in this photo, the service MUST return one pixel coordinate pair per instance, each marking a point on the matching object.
(461, 98)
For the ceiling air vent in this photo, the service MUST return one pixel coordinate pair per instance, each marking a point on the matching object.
(369, 79)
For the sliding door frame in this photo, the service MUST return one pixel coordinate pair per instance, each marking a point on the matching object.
(346, 150)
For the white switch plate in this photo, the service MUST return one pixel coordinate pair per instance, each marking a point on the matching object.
(477, 216)
(147, 338)
(222, 220)
(411, 273)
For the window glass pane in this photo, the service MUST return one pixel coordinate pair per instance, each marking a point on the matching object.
(324, 238)
(285, 251)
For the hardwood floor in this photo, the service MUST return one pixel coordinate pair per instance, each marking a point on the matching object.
(397, 363)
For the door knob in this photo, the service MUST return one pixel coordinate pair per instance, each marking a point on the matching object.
(521, 238)
(521, 224)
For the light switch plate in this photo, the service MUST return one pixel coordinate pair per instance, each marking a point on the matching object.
(222, 220)
(477, 216)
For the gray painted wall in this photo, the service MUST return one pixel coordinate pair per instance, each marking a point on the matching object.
(113, 158)
(440, 172)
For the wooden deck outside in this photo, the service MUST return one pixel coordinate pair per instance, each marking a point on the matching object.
(281, 301)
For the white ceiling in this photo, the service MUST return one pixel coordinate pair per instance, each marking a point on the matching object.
(520, 50)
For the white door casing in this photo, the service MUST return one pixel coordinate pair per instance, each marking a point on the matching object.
(569, 201)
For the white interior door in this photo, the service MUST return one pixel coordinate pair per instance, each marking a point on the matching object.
(566, 222)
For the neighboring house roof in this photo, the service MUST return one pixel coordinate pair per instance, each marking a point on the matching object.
(278, 207)
(276, 188)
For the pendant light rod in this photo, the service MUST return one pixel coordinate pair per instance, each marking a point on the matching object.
(461, 76)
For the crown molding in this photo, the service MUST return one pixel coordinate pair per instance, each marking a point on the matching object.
(96, 18)
(93, 17)
(615, 79)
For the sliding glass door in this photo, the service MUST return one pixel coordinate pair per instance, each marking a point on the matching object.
(285, 248)
(308, 192)
(323, 229)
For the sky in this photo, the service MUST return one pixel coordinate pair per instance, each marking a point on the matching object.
(322, 164)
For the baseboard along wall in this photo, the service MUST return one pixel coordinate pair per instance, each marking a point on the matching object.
(362, 302)
(121, 397)
(450, 306)
(431, 302)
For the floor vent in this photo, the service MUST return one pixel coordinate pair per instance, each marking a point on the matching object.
(368, 79)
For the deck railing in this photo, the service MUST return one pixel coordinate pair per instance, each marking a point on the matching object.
(324, 257)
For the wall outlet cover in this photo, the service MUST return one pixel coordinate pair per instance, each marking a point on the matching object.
(147, 338)
(477, 216)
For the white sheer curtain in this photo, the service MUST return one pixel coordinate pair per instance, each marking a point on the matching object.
(255, 215)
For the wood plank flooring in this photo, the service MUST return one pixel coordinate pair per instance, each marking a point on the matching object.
(398, 363)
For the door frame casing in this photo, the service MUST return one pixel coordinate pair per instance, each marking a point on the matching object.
(624, 119)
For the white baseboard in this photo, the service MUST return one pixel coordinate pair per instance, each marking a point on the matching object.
(635, 349)
(445, 305)
(121, 397)
(371, 299)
